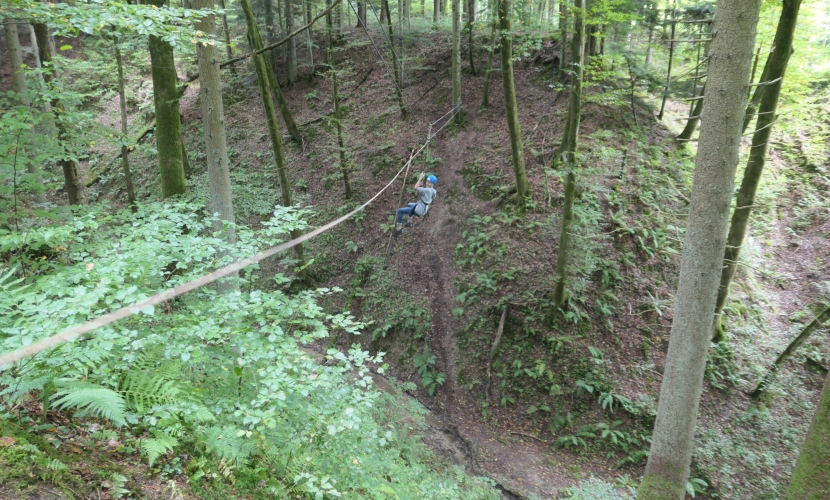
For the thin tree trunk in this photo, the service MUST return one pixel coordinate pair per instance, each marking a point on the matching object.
(227, 34)
(563, 39)
(811, 478)
(309, 41)
(308, 13)
(436, 11)
(568, 155)
(19, 86)
(213, 122)
(385, 8)
(271, 116)
(455, 67)
(779, 59)
(471, 20)
(667, 470)
(691, 123)
(72, 180)
(668, 73)
(291, 46)
(782, 358)
(511, 108)
(759, 92)
(122, 100)
(401, 55)
(485, 100)
(336, 98)
(270, 30)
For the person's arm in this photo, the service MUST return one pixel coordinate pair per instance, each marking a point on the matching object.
(420, 180)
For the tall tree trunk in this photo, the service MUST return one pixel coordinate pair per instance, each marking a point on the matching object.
(436, 11)
(361, 14)
(308, 13)
(226, 32)
(385, 8)
(471, 20)
(779, 59)
(291, 46)
(455, 67)
(309, 40)
(568, 154)
(216, 147)
(811, 478)
(691, 123)
(511, 109)
(271, 31)
(668, 73)
(563, 39)
(122, 101)
(72, 180)
(485, 100)
(667, 471)
(19, 86)
(271, 116)
(336, 98)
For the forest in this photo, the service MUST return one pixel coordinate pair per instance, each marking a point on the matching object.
(435, 250)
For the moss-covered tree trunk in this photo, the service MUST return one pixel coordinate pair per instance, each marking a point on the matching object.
(271, 117)
(455, 66)
(291, 46)
(568, 155)
(395, 73)
(336, 98)
(563, 40)
(72, 181)
(125, 151)
(255, 40)
(485, 98)
(778, 61)
(667, 470)
(511, 109)
(216, 144)
(811, 478)
(19, 86)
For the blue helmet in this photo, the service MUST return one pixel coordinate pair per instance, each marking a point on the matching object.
(432, 179)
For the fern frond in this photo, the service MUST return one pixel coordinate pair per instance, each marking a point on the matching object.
(158, 446)
(25, 386)
(90, 398)
(224, 442)
(56, 465)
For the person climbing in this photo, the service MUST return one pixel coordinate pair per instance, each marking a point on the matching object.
(419, 209)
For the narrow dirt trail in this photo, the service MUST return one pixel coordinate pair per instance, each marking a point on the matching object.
(424, 258)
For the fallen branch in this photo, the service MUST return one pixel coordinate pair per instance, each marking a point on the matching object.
(784, 356)
(527, 435)
(493, 349)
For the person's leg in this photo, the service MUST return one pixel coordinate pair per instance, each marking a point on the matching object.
(407, 210)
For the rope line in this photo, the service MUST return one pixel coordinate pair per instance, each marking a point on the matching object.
(124, 312)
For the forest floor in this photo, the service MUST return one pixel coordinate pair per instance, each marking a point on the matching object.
(556, 380)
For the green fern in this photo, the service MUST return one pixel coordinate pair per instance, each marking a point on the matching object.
(158, 446)
(224, 442)
(91, 399)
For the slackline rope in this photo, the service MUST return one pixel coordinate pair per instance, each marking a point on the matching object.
(83, 329)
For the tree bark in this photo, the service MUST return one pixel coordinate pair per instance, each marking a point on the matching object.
(336, 98)
(361, 14)
(784, 356)
(778, 61)
(122, 101)
(436, 11)
(568, 155)
(19, 86)
(811, 478)
(471, 20)
(485, 99)
(563, 39)
(291, 46)
(216, 144)
(455, 67)
(226, 32)
(270, 30)
(667, 470)
(385, 8)
(511, 108)
(271, 116)
(72, 181)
